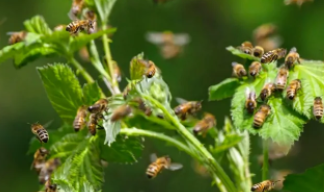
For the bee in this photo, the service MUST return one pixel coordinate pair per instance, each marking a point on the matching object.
(318, 108)
(40, 132)
(264, 31)
(80, 117)
(267, 90)
(281, 78)
(158, 164)
(99, 106)
(273, 55)
(16, 37)
(264, 186)
(258, 51)
(50, 166)
(255, 68)
(91, 16)
(93, 123)
(170, 44)
(76, 9)
(238, 70)
(246, 47)
(39, 159)
(188, 107)
(260, 116)
(292, 58)
(59, 27)
(126, 91)
(141, 105)
(298, 2)
(292, 88)
(150, 68)
(250, 102)
(121, 112)
(49, 187)
(205, 124)
(76, 26)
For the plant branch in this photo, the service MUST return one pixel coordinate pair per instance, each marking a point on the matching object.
(265, 167)
(206, 156)
(81, 70)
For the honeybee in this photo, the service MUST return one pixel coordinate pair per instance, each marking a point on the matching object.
(47, 170)
(250, 102)
(76, 26)
(205, 124)
(59, 27)
(238, 70)
(16, 37)
(150, 68)
(260, 116)
(121, 112)
(91, 15)
(292, 88)
(264, 186)
(141, 105)
(281, 78)
(258, 51)
(76, 9)
(158, 164)
(264, 31)
(49, 187)
(318, 108)
(171, 45)
(39, 159)
(80, 117)
(188, 107)
(292, 58)
(255, 68)
(246, 47)
(267, 90)
(298, 2)
(93, 123)
(40, 132)
(126, 91)
(99, 106)
(273, 55)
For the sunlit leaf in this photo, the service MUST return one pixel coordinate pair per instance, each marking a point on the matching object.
(223, 89)
(63, 89)
(37, 25)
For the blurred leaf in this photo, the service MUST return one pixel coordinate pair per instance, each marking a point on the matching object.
(223, 89)
(9, 51)
(103, 7)
(239, 53)
(63, 89)
(311, 180)
(37, 25)
(91, 93)
(137, 68)
(230, 141)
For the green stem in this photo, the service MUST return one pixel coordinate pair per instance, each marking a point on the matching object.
(207, 157)
(81, 70)
(146, 133)
(265, 168)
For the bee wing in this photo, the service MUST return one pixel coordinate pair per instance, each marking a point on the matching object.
(234, 63)
(12, 32)
(181, 39)
(180, 100)
(48, 124)
(293, 50)
(153, 157)
(175, 166)
(154, 37)
(247, 92)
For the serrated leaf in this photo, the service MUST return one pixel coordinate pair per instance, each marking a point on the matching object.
(91, 93)
(63, 89)
(63, 185)
(37, 25)
(311, 180)
(223, 89)
(137, 69)
(239, 53)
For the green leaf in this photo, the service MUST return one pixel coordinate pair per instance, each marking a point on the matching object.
(239, 53)
(9, 51)
(229, 141)
(103, 7)
(311, 180)
(223, 89)
(137, 68)
(91, 93)
(37, 25)
(63, 89)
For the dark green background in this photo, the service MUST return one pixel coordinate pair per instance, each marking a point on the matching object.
(212, 25)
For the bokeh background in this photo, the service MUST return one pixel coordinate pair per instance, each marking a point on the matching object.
(212, 25)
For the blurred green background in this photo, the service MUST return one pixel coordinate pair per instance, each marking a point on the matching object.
(212, 25)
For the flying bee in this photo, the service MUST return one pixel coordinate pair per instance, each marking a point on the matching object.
(76, 26)
(121, 112)
(292, 58)
(255, 68)
(39, 159)
(281, 78)
(76, 9)
(264, 31)
(267, 90)
(292, 88)
(238, 70)
(99, 106)
(264, 186)
(49, 187)
(205, 124)
(318, 108)
(187, 107)
(250, 102)
(80, 117)
(40, 132)
(258, 51)
(260, 116)
(93, 123)
(298, 2)
(158, 164)
(16, 37)
(273, 55)
(170, 44)
(50, 166)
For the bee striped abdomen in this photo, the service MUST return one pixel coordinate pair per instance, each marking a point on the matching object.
(43, 135)
(318, 108)
(153, 170)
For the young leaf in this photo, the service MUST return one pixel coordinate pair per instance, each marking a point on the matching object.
(91, 93)
(63, 89)
(37, 25)
(239, 53)
(9, 51)
(223, 89)
(137, 69)
(311, 180)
